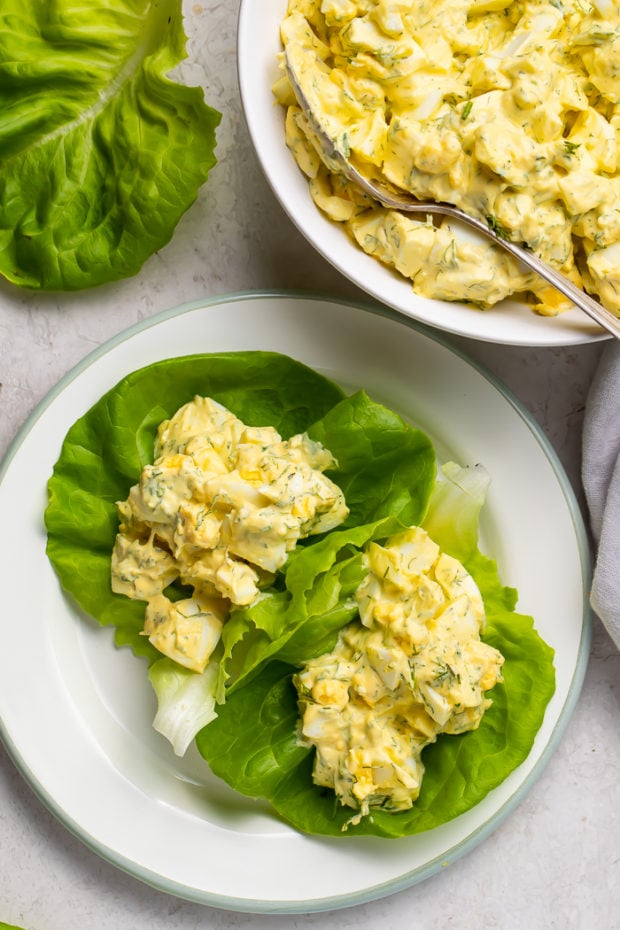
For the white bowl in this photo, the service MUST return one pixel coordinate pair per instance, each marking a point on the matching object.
(511, 323)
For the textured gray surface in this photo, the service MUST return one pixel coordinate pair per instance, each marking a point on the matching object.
(554, 861)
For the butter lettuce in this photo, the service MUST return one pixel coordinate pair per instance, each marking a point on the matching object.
(101, 151)
(388, 472)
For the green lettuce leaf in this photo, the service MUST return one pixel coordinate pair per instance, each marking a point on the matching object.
(101, 151)
(385, 467)
(253, 743)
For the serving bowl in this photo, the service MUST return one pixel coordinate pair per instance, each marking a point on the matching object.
(511, 323)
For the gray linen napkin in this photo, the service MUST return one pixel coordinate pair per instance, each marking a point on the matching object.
(601, 482)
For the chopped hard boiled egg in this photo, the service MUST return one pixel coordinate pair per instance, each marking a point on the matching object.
(511, 111)
(413, 668)
(219, 509)
(187, 631)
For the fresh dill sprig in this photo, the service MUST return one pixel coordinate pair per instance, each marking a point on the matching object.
(500, 231)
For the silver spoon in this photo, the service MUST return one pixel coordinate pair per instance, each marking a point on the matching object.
(385, 193)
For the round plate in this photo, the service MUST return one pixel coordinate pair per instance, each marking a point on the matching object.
(76, 712)
(512, 322)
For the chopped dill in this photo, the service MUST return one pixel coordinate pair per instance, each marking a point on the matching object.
(500, 231)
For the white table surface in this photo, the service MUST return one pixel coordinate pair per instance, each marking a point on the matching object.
(554, 863)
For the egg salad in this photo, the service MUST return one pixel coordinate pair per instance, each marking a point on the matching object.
(219, 510)
(510, 110)
(413, 668)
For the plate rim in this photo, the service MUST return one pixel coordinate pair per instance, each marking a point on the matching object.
(420, 873)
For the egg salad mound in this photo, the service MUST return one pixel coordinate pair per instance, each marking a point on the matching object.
(413, 668)
(219, 510)
(509, 110)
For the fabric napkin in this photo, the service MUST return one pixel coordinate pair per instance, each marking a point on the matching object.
(601, 482)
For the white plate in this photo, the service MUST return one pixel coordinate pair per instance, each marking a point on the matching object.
(76, 712)
(513, 323)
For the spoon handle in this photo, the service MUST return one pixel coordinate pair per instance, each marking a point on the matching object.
(593, 308)
(583, 301)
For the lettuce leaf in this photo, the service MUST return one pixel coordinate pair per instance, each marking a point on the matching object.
(101, 151)
(253, 746)
(185, 701)
(454, 509)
